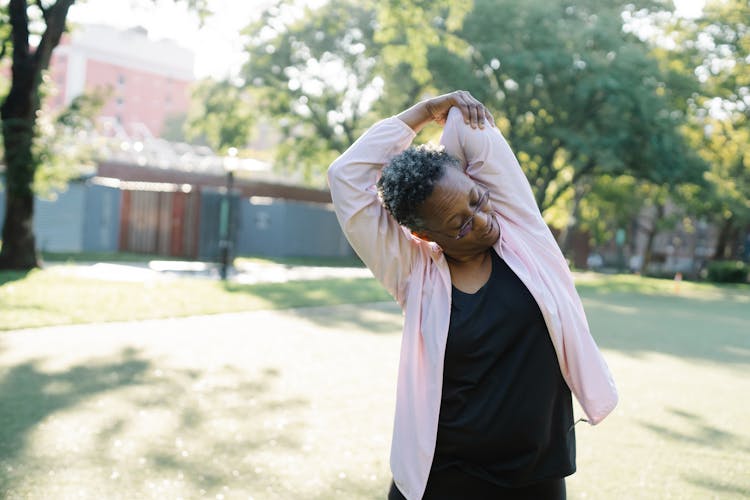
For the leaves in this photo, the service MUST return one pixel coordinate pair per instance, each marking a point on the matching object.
(316, 75)
(577, 92)
(221, 114)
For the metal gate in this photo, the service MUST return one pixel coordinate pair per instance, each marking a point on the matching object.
(163, 222)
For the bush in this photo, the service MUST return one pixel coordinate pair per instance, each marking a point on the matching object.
(728, 271)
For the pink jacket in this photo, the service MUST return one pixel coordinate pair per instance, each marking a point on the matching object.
(416, 273)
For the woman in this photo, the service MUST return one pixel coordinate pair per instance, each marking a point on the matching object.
(494, 335)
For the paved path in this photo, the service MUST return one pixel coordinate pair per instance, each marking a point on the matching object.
(293, 404)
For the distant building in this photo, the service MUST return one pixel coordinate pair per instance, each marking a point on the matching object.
(148, 79)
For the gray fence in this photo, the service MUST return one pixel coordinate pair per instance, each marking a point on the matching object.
(87, 218)
(284, 228)
(82, 218)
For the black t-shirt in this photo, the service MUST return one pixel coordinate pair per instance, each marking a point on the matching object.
(506, 413)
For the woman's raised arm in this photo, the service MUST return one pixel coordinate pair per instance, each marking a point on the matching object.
(384, 246)
(489, 160)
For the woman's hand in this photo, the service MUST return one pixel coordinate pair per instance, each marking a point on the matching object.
(436, 109)
(473, 111)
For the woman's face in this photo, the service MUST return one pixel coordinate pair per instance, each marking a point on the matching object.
(450, 207)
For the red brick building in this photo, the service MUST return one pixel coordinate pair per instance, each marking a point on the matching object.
(148, 80)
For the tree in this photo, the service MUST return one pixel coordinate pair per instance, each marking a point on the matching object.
(726, 200)
(221, 114)
(19, 111)
(577, 95)
(58, 145)
(723, 115)
(315, 73)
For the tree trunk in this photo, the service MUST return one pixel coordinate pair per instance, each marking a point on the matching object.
(650, 240)
(734, 243)
(723, 240)
(567, 232)
(19, 248)
(18, 114)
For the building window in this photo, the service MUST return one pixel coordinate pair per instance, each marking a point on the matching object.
(120, 101)
(121, 80)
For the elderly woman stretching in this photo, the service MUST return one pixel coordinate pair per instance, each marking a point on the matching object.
(495, 337)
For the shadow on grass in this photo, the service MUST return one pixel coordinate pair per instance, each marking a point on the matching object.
(29, 395)
(375, 317)
(718, 486)
(637, 324)
(310, 293)
(203, 430)
(352, 261)
(700, 433)
(11, 276)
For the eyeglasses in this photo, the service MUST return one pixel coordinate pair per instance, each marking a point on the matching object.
(468, 225)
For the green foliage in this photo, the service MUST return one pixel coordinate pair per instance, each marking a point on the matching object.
(315, 73)
(609, 205)
(714, 50)
(577, 95)
(724, 52)
(174, 127)
(61, 148)
(726, 147)
(408, 29)
(722, 271)
(221, 114)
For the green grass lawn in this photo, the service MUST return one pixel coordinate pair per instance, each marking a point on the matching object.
(298, 404)
(46, 297)
(682, 364)
(75, 257)
(302, 261)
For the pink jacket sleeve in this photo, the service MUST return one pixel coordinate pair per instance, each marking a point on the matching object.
(384, 246)
(489, 161)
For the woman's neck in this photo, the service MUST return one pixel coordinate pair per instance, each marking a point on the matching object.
(468, 260)
(470, 273)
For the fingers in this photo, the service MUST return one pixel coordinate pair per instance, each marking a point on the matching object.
(488, 116)
(473, 111)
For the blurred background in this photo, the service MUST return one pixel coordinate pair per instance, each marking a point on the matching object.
(188, 129)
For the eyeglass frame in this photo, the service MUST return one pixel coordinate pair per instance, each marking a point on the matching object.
(468, 224)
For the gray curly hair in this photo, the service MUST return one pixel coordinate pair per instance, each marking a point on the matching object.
(409, 179)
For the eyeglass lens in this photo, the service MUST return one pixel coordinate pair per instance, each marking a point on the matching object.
(469, 224)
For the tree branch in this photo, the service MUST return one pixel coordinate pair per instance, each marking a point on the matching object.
(43, 9)
(576, 177)
(546, 166)
(19, 21)
(55, 20)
